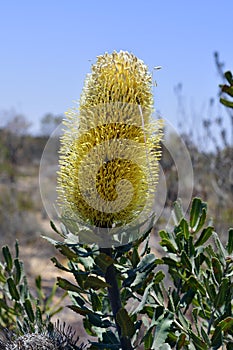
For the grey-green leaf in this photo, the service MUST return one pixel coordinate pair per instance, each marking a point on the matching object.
(12, 289)
(222, 293)
(195, 211)
(8, 258)
(217, 269)
(161, 331)
(18, 270)
(29, 310)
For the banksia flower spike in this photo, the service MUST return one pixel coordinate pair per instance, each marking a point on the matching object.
(110, 148)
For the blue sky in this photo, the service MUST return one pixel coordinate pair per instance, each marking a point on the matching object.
(47, 48)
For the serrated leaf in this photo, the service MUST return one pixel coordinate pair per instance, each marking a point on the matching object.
(205, 337)
(143, 300)
(12, 289)
(202, 219)
(217, 269)
(228, 76)
(171, 306)
(18, 270)
(185, 228)
(96, 302)
(104, 261)
(148, 339)
(210, 288)
(16, 249)
(171, 262)
(159, 276)
(135, 259)
(53, 226)
(165, 346)
(97, 321)
(110, 338)
(50, 240)
(226, 324)
(217, 339)
(177, 212)
(3, 305)
(59, 265)
(67, 252)
(198, 342)
(162, 330)
(230, 241)
(95, 283)
(220, 249)
(204, 236)
(188, 297)
(195, 285)
(66, 285)
(222, 293)
(8, 258)
(78, 300)
(38, 316)
(29, 310)
(2, 277)
(227, 89)
(39, 288)
(226, 103)
(125, 323)
(181, 341)
(147, 262)
(183, 320)
(168, 244)
(140, 279)
(186, 261)
(195, 211)
(79, 310)
(199, 259)
(163, 234)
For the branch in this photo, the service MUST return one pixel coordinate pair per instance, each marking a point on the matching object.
(115, 298)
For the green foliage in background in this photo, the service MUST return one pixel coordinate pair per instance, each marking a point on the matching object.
(182, 299)
(18, 305)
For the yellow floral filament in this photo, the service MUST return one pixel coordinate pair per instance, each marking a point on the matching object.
(110, 150)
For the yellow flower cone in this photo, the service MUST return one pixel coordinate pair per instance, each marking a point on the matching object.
(111, 146)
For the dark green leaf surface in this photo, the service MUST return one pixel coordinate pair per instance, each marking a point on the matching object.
(8, 258)
(95, 283)
(12, 289)
(125, 322)
(196, 211)
(226, 103)
(230, 241)
(204, 236)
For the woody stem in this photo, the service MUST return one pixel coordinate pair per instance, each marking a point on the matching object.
(115, 298)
